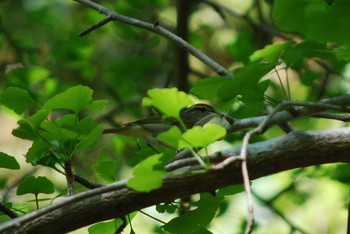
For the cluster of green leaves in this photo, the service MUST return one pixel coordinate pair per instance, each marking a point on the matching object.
(195, 138)
(324, 38)
(56, 129)
(59, 133)
(129, 61)
(148, 174)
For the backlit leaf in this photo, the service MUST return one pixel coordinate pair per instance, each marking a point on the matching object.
(146, 176)
(169, 101)
(200, 137)
(74, 99)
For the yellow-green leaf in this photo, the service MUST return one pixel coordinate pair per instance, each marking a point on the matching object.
(199, 136)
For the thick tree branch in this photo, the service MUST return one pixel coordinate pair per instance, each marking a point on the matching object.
(297, 149)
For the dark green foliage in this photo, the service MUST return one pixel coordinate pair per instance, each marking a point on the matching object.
(56, 85)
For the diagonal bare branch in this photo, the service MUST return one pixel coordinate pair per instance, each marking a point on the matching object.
(156, 28)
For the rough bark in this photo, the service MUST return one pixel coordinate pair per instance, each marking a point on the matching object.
(295, 150)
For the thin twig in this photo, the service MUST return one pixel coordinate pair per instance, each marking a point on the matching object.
(226, 162)
(271, 30)
(285, 126)
(152, 217)
(246, 181)
(86, 183)
(161, 31)
(260, 129)
(288, 86)
(305, 110)
(281, 84)
(4, 209)
(302, 109)
(96, 26)
(242, 15)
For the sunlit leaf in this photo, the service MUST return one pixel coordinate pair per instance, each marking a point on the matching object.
(200, 137)
(170, 137)
(271, 53)
(169, 101)
(98, 105)
(145, 176)
(74, 99)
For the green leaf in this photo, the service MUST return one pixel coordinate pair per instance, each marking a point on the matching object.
(63, 129)
(295, 55)
(308, 77)
(271, 53)
(104, 227)
(342, 53)
(37, 152)
(208, 88)
(314, 19)
(169, 208)
(98, 105)
(111, 226)
(146, 176)
(106, 170)
(7, 161)
(74, 99)
(35, 186)
(202, 230)
(170, 137)
(29, 128)
(195, 220)
(246, 84)
(90, 139)
(169, 101)
(230, 190)
(200, 137)
(17, 99)
(243, 46)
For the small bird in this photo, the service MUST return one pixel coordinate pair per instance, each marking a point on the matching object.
(148, 129)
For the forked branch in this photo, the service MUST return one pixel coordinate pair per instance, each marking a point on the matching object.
(153, 27)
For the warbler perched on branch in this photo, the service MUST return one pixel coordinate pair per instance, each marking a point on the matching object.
(149, 128)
